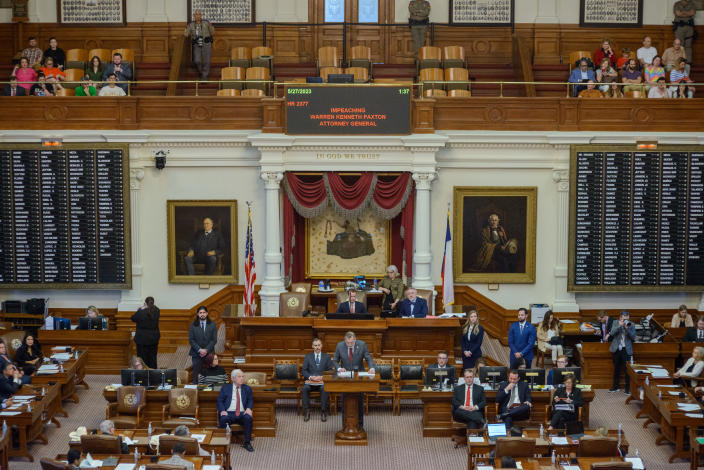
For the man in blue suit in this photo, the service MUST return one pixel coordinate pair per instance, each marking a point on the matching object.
(412, 305)
(521, 339)
(235, 406)
(582, 74)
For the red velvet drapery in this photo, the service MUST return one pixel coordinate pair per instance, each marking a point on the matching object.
(307, 196)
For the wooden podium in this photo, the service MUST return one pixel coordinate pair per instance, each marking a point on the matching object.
(351, 435)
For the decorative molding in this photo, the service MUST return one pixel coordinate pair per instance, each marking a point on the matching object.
(272, 179)
(191, 144)
(136, 177)
(423, 180)
(562, 178)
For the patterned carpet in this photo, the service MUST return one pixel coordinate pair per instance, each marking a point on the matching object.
(395, 442)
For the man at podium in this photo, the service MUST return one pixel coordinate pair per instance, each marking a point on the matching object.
(350, 355)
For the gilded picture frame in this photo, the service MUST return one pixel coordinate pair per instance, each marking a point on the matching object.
(215, 255)
(340, 248)
(494, 234)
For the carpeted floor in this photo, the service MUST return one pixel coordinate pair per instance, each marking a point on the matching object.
(395, 442)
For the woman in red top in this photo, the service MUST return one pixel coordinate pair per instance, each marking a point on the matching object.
(25, 73)
(51, 71)
(605, 51)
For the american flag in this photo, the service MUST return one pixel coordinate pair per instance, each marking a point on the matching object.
(249, 271)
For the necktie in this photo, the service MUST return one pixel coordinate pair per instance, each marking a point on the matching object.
(349, 353)
(413, 304)
(237, 402)
(202, 325)
(351, 307)
(468, 399)
(317, 359)
(521, 328)
(514, 395)
(701, 334)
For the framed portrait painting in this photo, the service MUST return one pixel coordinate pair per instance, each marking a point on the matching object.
(494, 237)
(341, 248)
(202, 241)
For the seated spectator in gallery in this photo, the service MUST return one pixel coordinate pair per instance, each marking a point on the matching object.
(56, 53)
(86, 87)
(646, 53)
(615, 91)
(13, 89)
(681, 319)
(211, 372)
(25, 73)
(41, 88)
(631, 76)
(680, 72)
(51, 71)
(625, 57)
(95, 69)
(107, 427)
(692, 368)
(122, 72)
(605, 52)
(591, 91)
(33, 54)
(112, 89)
(672, 55)
(605, 75)
(580, 74)
(654, 71)
(684, 89)
(659, 91)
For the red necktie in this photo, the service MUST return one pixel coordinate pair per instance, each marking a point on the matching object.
(349, 352)
(468, 400)
(237, 403)
(351, 307)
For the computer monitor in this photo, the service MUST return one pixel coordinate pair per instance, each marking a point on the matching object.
(159, 377)
(495, 430)
(314, 79)
(349, 316)
(135, 377)
(340, 78)
(493, 375)
(532, 376)
(558, 375)
(87, 323)
(437, 375)
(62, 323)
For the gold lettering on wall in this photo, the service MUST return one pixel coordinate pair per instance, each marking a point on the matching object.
(348, 156)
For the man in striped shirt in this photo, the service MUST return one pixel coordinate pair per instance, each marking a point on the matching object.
(680, 72)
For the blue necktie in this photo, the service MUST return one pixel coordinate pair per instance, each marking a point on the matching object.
(413, 304)
(202, 324)
(317, 359)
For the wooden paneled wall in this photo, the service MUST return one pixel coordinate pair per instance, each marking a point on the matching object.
(153, 42)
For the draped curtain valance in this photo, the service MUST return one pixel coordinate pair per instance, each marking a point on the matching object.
(308, 196)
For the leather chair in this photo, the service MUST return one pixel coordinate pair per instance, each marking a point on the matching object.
(287, 379)
(611, 465)
(387, 387)
(549, 409)
(303, 287)
(292, 304)
(100, 444)
(13, 340)
(521, 422)
(255, 378)
(51, 464)
(514, 447)
(590, 446)
(409, 381)
(166, 444)
(163, 466)
(182, 402)
(127, 412)
(429, 296)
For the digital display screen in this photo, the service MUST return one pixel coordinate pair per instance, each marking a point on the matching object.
(348, 110)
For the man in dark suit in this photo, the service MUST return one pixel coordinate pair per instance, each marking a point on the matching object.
(604, 327)
(442, 364)
(412, 305)
(122, 71)
(468, 402)
(350, 355)
(695, 334)
(235, 405)
(513, 398)
(206, 246)
(314, 364)
(202, 336)
(521, 339)
(352, 305)
(10, 381)
(12, 89)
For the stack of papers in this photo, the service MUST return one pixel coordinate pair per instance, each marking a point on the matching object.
(657, 372)
(636, 462)
(694, 415)
(667, 385)
(61, 357)
(559, 440)
(198, 437)
(217, 467)
(674, 394)
(572, 467)
(10, 413)
(48, 369)
(485, 467)
(688, 407)
(476, 439)
(125, 466)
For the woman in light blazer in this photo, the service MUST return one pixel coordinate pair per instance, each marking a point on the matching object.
(682, 319)
(693, 367)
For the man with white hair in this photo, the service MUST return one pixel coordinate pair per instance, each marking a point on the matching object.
(107, 427)
(235, 406)
(183, 431)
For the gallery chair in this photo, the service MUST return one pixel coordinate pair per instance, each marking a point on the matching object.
(257, 78)
(240, 57)
(453, 56)
(429, 57)
(105, 55)
(183, 404)
(325, 71)
(76, 58)
(73, 75)
(361, 74)
(361, 56)
(459, 94)
(263, 56)
(232, 77)
(228, 92)
(328, 57)
(128, 411)
(166, 444)
(577, 55)
(458, 79)
(432, 78)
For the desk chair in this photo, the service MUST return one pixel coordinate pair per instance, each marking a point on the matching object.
(514, 447)
(128, 412)
(384, 368)
(163, 466)
(460, 431)
(51, 464)
(611, 465)
(519, 423)
(166, 444)
(550, 408)
(597, 447)
(409, 381)
(182, 402)
(287, 379)
(100, 444)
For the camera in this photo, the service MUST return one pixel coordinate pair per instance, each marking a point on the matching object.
(628, 323)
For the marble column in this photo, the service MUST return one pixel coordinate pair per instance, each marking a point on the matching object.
(273, 283)
(422, 256)
(564, 301)
(132, 299)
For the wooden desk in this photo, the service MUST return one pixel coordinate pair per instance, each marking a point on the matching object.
(198, 462)
(74, 373)
(113, 346)
(584, 463)
(351, 434)
(696, 449)
(673, 422)
(264, 412)
(329, 300)
(215, 440)
(275, 337)
(638, 375)
(332, 332)
(437, 410)
(420, 336)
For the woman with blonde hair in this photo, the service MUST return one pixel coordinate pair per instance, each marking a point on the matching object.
(549, 336)
(472, 337)
(693, 367)
(138, 363)
(92, 312)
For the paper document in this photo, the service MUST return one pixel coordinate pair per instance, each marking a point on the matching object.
(485, 467)
(667, 385)
(559, 441)
(190, 386)
(365, 374)
(48, 367)
(688, 406)
(217, 467)
(636, 462)
(198, 437)
(654, 366)
(476, 439)
(125, 466)
(10, 413)
(127, 440)
(572, 467)
(23, 397)
(694, 415)
(61, 356)
(674, 394)
(91, 464)
(568, 321)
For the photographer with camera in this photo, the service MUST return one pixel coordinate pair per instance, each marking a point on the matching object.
(201, 34)
(622, 336)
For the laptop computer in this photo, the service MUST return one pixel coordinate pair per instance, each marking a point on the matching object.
(495, 430)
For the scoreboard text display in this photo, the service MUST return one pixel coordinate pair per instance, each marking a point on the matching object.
(357, 110)
(64, 217)
(636, 219)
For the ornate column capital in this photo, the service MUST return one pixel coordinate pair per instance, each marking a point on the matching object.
(423, 179)
(561, 177)
(136, 177)
(272, 179)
